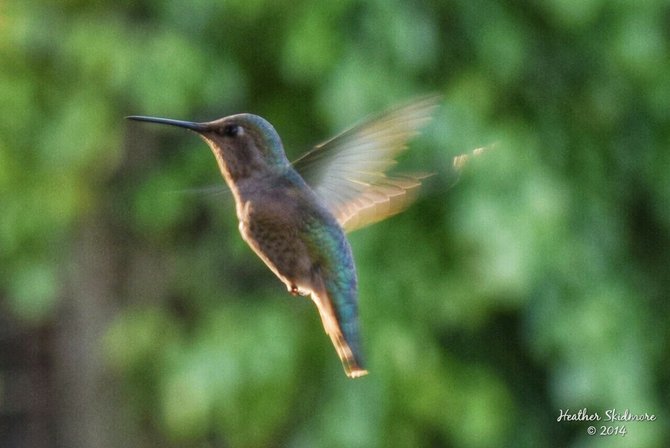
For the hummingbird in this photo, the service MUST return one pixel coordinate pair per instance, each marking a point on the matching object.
(295, 216)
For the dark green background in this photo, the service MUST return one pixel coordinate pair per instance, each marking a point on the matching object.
(132, 314)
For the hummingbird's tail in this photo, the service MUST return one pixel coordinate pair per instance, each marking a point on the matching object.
(348, 351)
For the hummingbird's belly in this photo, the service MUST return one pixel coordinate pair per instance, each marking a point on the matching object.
(296, 245)
(281, 257)
(276, 241)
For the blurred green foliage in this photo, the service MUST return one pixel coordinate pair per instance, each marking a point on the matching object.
(539, 283)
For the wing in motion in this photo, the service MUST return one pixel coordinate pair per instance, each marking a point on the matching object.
(348, 172)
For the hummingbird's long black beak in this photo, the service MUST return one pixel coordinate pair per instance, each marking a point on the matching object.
(197, 127)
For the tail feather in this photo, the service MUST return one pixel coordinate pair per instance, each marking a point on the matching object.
(350, 360)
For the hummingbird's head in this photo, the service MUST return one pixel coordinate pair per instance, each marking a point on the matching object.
(245, 145)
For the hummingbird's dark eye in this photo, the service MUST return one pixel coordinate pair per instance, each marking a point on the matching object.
(231, 130)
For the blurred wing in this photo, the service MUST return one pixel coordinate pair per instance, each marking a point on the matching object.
(459, 162)
(349, 171)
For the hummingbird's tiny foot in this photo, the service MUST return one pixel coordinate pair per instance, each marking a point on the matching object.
(296, 291)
